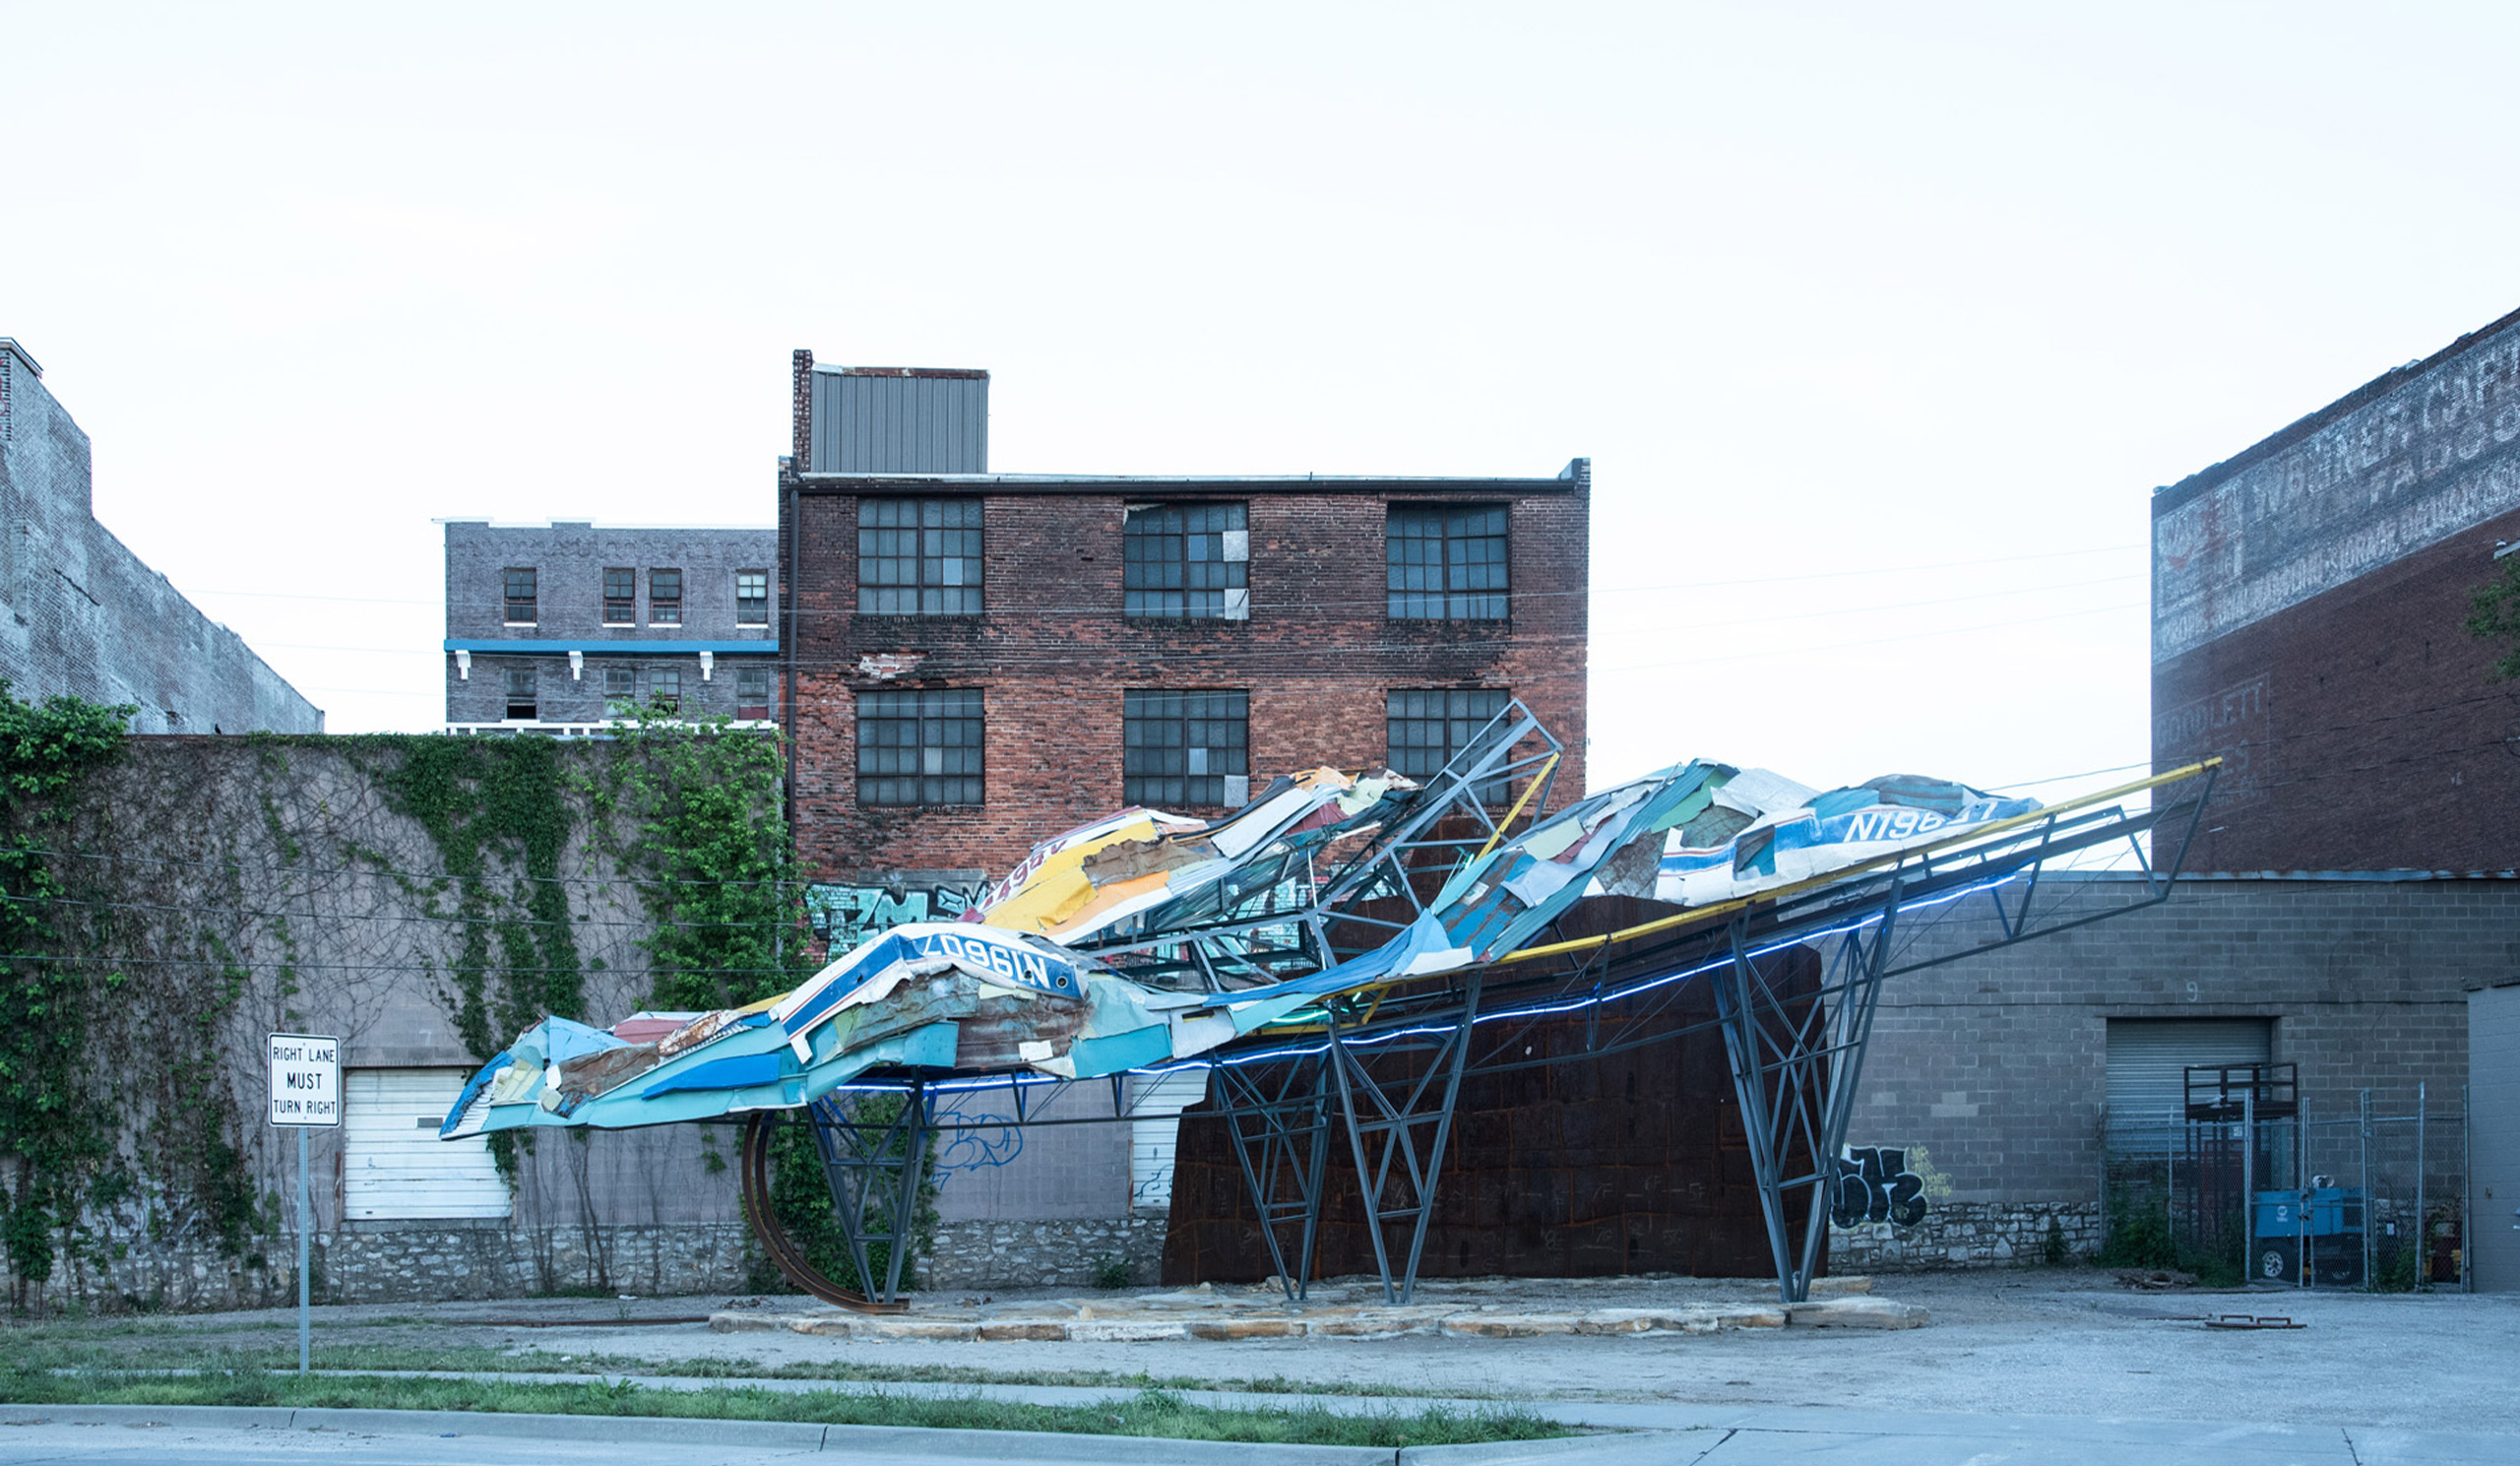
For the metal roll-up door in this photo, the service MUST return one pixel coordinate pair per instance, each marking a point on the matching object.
(2148, 1064)
(394, 1166)
(1155, 1126)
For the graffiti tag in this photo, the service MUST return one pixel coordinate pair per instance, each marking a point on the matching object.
(1875, 1184)
(846, 914)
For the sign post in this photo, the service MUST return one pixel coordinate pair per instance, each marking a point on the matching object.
(307, 1093)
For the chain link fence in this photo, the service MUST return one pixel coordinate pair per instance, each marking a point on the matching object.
(2370, 1193)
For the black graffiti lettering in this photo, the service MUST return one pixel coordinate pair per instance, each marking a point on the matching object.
(1875, 1184)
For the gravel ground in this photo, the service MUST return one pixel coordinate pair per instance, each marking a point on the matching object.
(2032, 1342)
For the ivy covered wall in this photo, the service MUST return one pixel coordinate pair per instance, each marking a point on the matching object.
(165, 902)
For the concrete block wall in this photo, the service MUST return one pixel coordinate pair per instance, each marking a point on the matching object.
(1997, 1064)
(81, 616)
(1054, 654)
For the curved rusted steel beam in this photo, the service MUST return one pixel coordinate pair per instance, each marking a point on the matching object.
(753, 1168)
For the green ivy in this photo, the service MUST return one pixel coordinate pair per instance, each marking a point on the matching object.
(61, 1142)
(2494, 616)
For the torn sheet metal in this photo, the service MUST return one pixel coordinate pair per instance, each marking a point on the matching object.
(1007, 987)
(1781, 833)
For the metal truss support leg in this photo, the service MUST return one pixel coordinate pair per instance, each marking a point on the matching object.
(1280, 1126)
(875, 1165)
(1796, 1059)
(1396, 1114)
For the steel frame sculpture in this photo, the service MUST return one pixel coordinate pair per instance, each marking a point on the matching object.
(1378, 1072)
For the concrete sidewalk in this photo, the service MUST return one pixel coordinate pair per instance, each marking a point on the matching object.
(1678, 1437)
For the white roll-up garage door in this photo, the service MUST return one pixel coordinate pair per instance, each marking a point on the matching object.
(2148, 1064)
(394, 1166)
(1156, 1109)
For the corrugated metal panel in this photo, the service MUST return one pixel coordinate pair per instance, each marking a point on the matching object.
(875, 423)
(2493, 1090)
(394, 1166)
(1152, 1134)
(2148, 1061)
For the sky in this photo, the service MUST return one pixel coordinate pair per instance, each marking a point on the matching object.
(1881, 324)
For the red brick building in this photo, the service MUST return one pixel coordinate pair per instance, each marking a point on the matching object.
(975, 661)
(2308, 601)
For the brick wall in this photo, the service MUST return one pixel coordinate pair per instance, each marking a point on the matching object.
(2308, 601)
(1055, 654)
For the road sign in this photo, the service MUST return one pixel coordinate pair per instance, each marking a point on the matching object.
(306, 1079)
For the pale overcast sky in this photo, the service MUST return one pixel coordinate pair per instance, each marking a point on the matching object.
(1879, 323)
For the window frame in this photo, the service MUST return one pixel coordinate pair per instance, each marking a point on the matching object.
(658, 607)
(528, 676)
(927, 707)
(1219, 552)
(752, 610)
(660, 679)
(622, 610)
(1142, 713)
(967, 598)
(1455, 564)
(1447, 723)
(624, 703)
(749, 710)
(532, 599)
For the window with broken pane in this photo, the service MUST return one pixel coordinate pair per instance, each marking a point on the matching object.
(521, 698)
(1186, 749)
(1187, 561)
(919, 557)
(1427, 727)
(1447, 563)
(921, 746)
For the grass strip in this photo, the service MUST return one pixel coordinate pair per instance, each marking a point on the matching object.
(57, 1353)
(1151, 1412)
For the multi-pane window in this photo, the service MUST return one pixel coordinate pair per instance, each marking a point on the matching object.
(1429, 728)
(621, 690)
(752, 693)
(521, 693)
(1187, 561)
(1186, 749)
(665, 688)
(752, 598)
(620, 596)
(665, 598)
(520, 596)
(920, 747)
(919, 557)
(1447, 563)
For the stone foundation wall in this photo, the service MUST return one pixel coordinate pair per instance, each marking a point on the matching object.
(435, 1261)
(1043, 1254)
(1963, 1233)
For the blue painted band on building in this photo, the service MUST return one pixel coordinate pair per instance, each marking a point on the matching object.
(621, 647)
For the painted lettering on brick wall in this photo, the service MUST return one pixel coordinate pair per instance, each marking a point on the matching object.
(1875, 1184)
(2438, 454)
(2236, 724)
(844, 915)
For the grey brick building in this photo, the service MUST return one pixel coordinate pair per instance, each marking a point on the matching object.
(560, 628)
(82, 615)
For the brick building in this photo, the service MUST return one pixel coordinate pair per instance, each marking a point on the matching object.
(975, 661)
(558, 630)
(81, 616)
(2308, 596)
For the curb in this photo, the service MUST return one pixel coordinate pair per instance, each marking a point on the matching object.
(992, 1445)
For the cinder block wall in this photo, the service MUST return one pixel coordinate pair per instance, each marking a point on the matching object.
(1997, 1063)
(1054, 653)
